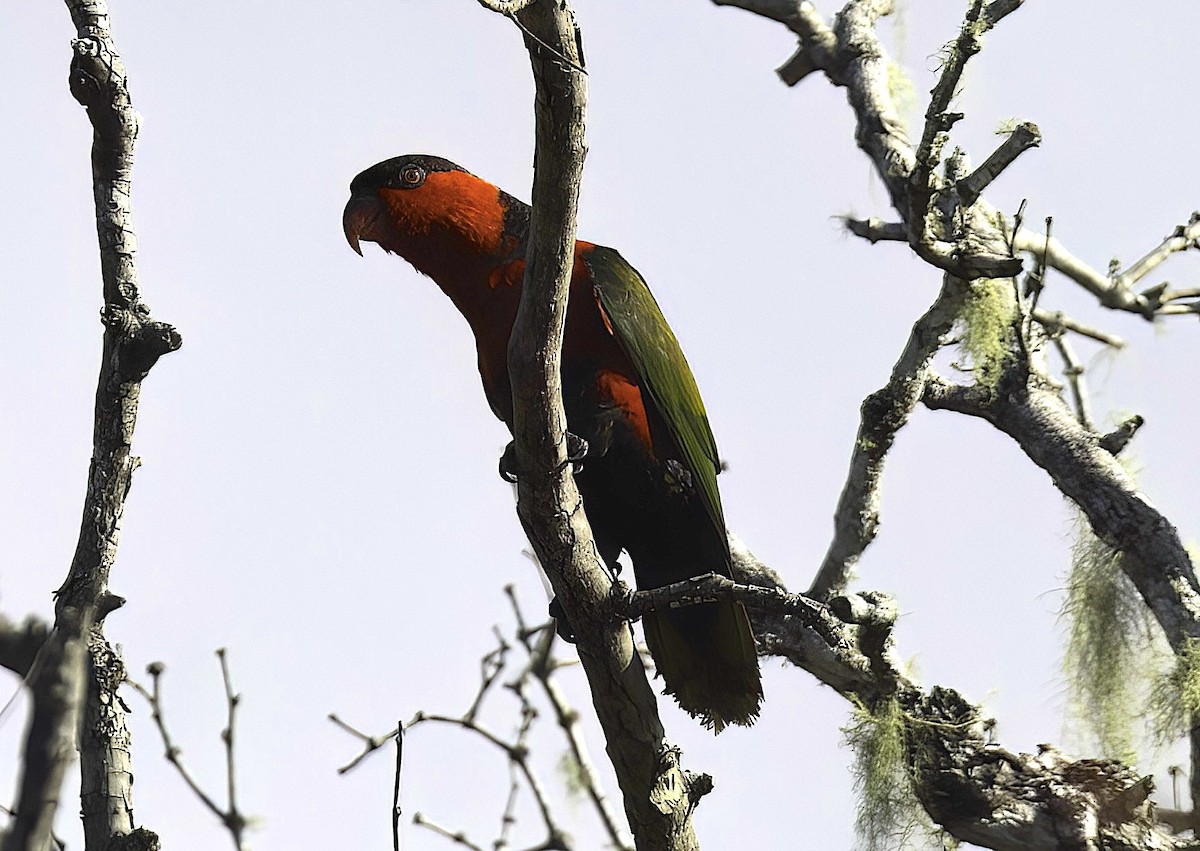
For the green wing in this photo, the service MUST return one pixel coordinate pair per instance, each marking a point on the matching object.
(648, 342)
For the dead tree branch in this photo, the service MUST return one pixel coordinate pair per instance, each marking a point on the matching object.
(1023, 137)
(884, 413)
(518, 755)
(133, 343)
(875, 230)
(1055, 321)
(455, 836)
(943, 219)
(539, 665)
(230, 816)
(1114, 289)
(975, 789)
(548, 502)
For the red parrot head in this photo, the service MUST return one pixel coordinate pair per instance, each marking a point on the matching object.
(426, 209)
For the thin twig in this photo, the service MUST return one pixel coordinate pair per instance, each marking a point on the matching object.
(370, 743)
(233, 818)
(518, 754)
(1115, 288)
(1074, 372)
(458, 837)
(508, 819)
(234, 822)
(1053, 321)
(396, 812)
(490, 668)
(542, 666)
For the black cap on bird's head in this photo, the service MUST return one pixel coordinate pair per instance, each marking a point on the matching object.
(391, 173)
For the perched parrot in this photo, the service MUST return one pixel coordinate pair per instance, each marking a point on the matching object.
(649, 475)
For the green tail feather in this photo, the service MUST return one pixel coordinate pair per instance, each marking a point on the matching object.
(707, 657)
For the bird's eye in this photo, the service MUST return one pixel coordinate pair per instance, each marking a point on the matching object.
(412, 175)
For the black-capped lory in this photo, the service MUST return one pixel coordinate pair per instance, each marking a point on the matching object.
(649, 475)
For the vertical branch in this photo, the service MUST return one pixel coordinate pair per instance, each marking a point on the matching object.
(132, 344)
(549, 504)
(396, 813)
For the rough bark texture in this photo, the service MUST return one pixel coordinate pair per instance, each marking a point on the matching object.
(132, 344)
(659, 797)
(968, 784)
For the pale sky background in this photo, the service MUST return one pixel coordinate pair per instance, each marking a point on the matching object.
(319, 492)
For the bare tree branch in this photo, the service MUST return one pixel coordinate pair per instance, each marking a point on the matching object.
(232, 818)
(457, 837)
(976, 790)
(133, 342)
(229, 816)
(370, 743)
(876, 230)
(1054, 321)
(938, 118)
(518, 755)
(1023, 137)
(852, 56)
(884, 413)
(542, 666)
(1115, 289)
(548, 501)
(1073, 370)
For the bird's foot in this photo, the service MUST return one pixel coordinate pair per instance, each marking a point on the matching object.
(577, 450)
(620, 596)
(561, 625)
